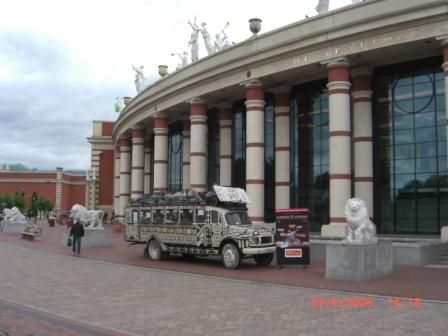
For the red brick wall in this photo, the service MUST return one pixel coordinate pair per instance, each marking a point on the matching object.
(106, 186)
(44, 184)
(47, 190)
(107, 127)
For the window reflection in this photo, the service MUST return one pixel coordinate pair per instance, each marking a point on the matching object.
(411, 132)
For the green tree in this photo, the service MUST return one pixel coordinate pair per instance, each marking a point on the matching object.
(6, 201)
(43, 204)
(19, 200)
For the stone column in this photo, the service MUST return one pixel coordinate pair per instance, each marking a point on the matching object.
(198, 153)
(147, 170)
(160, 153)
(225, 146)
(186, 155)
(137, 161)
(282, 151)
(117, 179)
(125, 174)
(340, 146)
(444, 45)
(58, 201)
(362, 135)
(255, 149)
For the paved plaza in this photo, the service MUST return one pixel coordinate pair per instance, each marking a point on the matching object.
(51, 290)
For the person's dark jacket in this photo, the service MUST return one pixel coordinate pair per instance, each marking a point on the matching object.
(77, 230)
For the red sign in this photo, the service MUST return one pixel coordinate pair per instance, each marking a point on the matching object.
(293, 253)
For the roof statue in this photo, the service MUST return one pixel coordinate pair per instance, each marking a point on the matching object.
(322, 6)
(118, 104)
(183, 59)
(206, 37)
(194, 43)
(221, 41)
(139, 78)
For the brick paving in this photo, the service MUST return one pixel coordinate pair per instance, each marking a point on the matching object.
(405, 281)
(46, 291)
(149, 301)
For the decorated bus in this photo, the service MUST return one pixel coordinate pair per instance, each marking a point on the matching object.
(198, 224)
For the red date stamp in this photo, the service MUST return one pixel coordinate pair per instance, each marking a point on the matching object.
(361, 302)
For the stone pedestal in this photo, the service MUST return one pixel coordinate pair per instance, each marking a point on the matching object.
(7, 226)
(358, 262)
(92, 237)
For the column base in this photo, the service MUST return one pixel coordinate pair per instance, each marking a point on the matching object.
(334, 230)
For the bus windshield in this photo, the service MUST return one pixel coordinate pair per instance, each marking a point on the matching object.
(237, 218)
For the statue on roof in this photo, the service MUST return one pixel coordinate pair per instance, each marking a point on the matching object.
(139, 78)
(322, 6)
(194, 43)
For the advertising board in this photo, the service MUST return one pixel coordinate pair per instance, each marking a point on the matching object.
(292, 237)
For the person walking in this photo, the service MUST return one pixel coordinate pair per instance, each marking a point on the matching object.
(77, 231)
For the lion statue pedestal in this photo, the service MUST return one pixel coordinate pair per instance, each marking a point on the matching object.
(359, 256)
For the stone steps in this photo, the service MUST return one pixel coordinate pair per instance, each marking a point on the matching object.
(442, 262)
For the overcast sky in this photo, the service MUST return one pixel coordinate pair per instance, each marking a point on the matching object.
(63, 62)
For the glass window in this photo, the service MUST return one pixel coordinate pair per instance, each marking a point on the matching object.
(135, 216)
(237, 218)
(239, 145)
(171, 215)
(186, 216)
(200, 215)
(411, 149)
(310, 151)
(269, 155)
(158, 216)
(146, 218)
(214, 217)
(213, 148)
(175, 157)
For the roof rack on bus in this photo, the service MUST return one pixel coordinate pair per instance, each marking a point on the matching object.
(187, 197)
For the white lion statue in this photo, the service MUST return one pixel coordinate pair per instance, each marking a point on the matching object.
(360, 229)
(89, 218)
(13, 215)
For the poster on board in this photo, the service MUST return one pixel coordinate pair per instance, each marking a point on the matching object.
(292, 237)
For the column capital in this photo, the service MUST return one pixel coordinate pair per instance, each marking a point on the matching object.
(443, 40)
(137, 127)
(281, 89)
(361, 71)
(124, 141)
(338, 62)
(252, 83)
(225, 104)
(362, 79)
(196, 101)
(138, 131)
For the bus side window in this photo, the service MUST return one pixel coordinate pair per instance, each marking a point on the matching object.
(214, 216)
(200, 215)
(135, 216)
(186, 216)
(158, 216)
(146, 217)
(172, 216)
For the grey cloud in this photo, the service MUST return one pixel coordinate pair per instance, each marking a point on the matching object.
(44, 119)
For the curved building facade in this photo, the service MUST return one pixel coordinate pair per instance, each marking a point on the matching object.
(349, 103)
